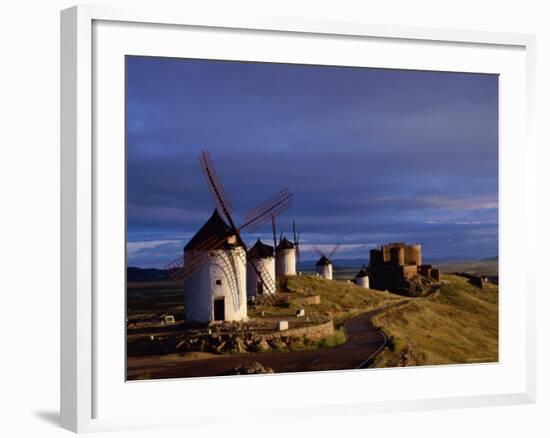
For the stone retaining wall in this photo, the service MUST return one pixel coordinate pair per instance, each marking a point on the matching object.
(314, 299)
(241, 342)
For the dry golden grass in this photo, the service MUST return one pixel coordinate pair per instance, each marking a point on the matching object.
(340, 300)
(459, 324)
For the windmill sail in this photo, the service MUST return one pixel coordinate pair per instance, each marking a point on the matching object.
(258, 216)
(261, 214)
(180, 268)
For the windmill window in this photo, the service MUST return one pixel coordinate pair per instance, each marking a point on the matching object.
(218, 282)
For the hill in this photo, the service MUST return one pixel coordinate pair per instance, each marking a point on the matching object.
(457, 324)
(488, 267)
(339, 300)
(135, 275)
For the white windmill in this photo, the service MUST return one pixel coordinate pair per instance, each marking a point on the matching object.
(215, 260)
(222, 273)
(287, 253)
(263, 257)
(324, 266)
(362, 278)
(286, 257)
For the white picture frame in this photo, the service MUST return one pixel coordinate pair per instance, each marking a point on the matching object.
(81, 366)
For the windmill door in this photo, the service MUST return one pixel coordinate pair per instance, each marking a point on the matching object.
(219, 309)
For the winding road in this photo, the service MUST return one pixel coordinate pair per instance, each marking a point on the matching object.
(364, 341)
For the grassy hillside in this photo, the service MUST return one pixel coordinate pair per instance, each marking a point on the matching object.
(458, 324)
(483, 267)
(339, 299)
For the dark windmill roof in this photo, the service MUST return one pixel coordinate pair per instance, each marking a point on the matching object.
(323, 261)
(214, 227)
(261, 251)
(285, 244)
(362, 273)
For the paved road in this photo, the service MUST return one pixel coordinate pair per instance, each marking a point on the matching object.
(364, 342)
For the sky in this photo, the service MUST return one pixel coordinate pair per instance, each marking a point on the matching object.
(371, 156)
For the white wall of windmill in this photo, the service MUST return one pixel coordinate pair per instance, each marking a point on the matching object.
(325, 271)
(287, 261)
(362, 282)
(220, 279)
(254, 284)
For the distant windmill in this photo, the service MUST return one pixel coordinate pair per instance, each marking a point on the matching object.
(286, 257)
(362, 277)
(214, 262)
(286, 252)
(324, 266)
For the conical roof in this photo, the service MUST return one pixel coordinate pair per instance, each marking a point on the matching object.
(285, 244)
(260, 251)
(323, 261)
(214, 227)
(362, 273)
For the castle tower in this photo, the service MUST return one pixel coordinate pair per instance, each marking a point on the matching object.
(216, 291)
(397, 256)
(362, 278)
(261, 256)
(286, 258)
(416, 255)
(324, 268)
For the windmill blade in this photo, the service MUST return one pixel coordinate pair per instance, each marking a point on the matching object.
(181, 268)
(274, 206)
(175, 268)
(274, 232)
(318, 251)
(263, 275)
(216, 188)
(334, 249)
(294, 231)
(268, 283)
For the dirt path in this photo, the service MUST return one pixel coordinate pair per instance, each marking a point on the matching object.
(364, 342)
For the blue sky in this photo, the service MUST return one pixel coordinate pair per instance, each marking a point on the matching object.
(370, 155)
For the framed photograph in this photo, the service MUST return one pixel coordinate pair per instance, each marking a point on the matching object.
(316, 218)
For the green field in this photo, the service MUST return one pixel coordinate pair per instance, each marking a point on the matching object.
(458, 324)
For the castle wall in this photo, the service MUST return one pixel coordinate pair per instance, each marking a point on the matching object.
(376, 257)
(397, 256)
(410, 271)
(386, 257)
(222, 276)
(435, 274)
(252, 280)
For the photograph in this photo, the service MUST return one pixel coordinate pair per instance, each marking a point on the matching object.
(288, 218)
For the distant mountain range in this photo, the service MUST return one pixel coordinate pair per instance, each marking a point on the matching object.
(135, 275)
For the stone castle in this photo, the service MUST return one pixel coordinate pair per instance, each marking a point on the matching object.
(394, 264)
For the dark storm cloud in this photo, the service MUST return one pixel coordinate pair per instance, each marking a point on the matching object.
(370, 155)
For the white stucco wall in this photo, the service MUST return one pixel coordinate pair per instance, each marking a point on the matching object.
(200, 289)
(362, 281)
(287, 261)
(267, 264)
(325, 271)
